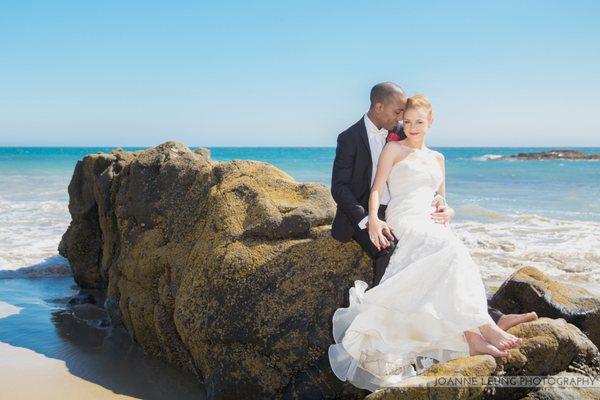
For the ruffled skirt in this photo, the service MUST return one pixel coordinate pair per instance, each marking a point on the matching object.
(430, 294)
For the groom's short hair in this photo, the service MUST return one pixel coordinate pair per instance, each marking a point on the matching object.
(384, 91)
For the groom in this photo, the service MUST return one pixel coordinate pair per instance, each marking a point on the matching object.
(354, 167)
(356, 156)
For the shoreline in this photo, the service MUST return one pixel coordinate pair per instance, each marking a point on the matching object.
(69, 352)
(21, 366)
(52, 380)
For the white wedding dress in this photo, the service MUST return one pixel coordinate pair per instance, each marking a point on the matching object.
(430, 294)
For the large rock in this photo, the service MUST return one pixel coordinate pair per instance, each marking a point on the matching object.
(529, 289)
(225, 269)
(549, 347)
(568, 386)
(90, 205)
(435, 382)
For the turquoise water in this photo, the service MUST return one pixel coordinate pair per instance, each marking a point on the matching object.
(557, 189)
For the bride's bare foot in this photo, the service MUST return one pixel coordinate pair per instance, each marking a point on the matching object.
(507, 321)
(496, 336)
(478, 345)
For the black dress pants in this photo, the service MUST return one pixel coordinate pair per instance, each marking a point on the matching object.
(381, 258)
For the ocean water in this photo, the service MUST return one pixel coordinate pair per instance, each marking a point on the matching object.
(509, 213)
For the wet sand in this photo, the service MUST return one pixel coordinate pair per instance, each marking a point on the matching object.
(29, 375)
(52, 350)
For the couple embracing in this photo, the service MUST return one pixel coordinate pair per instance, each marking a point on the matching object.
(428, 302)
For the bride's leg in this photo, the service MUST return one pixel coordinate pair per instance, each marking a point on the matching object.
(478, 345)
(499, 338)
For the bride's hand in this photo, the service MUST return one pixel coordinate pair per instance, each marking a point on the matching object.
(438, 201)
(443, 214)
(379, 232)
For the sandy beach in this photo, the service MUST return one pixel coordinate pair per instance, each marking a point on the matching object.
(29, 375)
(51, 378)
(47, 352)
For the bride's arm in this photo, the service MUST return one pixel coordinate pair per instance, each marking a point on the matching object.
(378, 230)
(442, 188)
(384, 167)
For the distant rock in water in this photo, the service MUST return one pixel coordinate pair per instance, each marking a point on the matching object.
(552, 155)
(228, 269)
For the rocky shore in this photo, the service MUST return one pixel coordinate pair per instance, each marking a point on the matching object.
(228, 270)
(553, 155)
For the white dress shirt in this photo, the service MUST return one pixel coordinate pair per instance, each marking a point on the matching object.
(376, 142)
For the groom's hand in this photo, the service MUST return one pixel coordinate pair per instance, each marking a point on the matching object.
(379, 233)
(443, 214)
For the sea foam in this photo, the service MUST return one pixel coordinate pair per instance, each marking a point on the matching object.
(487, 157)
(30, 230)
(51, 266)
(567, 250)
(8, 309)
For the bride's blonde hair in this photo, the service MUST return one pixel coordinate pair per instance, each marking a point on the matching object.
(420, 101)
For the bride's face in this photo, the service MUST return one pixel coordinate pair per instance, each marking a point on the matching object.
(416, 123)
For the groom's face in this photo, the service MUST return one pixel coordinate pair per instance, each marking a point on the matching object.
(391, 111)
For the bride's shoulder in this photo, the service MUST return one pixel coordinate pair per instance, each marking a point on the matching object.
(399, 150)
(437, 155)
(394, 146)
(399, 146)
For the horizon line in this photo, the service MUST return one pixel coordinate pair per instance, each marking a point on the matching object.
(276, 147)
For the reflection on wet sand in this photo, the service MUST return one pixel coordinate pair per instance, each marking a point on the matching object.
(83, 345)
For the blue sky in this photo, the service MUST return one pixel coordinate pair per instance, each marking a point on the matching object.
(295, 73)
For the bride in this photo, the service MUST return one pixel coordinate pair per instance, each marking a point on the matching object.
(430, 305)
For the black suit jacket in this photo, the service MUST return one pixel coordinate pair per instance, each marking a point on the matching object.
(351, 180)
